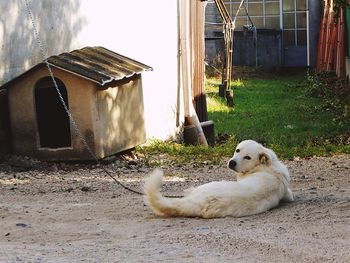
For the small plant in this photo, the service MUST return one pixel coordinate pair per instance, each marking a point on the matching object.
(334, 94)
(214, 67)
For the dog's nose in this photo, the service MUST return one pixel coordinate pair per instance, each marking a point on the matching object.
(232, 164)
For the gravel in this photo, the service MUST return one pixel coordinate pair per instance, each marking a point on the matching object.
(74, 212)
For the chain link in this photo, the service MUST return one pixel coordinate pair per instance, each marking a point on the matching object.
(44, 53)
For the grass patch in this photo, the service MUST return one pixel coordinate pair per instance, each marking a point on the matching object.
(160, 153)
(279, 112)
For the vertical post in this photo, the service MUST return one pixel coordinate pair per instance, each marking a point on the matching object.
(186, 38)
(228, 37)
(321, 39)
(308, 37)
(281, 27)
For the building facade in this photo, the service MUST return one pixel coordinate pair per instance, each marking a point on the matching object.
(287, 32)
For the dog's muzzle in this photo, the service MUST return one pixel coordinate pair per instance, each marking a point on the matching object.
(232, 164)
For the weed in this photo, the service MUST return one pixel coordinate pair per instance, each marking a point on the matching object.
(334, 94)
(159, 153)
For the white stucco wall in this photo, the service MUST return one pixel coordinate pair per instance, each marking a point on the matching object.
(143, 30)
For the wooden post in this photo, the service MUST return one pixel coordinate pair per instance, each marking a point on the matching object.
(228, 37)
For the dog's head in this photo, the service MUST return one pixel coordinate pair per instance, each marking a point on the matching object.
(250, 154)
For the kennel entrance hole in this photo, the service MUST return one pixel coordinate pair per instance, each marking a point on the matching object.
(52, 120)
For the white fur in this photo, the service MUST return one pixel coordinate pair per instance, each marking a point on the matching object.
(262, 182)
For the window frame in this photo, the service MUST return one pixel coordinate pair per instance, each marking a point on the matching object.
(242, 18)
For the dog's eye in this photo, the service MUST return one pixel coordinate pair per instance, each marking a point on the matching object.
(238, 150)
(247, 157)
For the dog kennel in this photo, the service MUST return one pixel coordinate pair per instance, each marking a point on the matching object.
(102, 91)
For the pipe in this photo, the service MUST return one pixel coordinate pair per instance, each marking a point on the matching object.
(178, 100)
(185, 56)
(308, 37)
(185, 69)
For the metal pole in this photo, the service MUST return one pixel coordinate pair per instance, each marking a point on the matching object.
(308, 37)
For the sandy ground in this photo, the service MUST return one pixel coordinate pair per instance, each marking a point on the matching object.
(75, 213)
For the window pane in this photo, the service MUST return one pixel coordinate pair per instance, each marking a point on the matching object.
(228, 7)
(240, 15)
(235, 8)
(272, 8)
(301, 20)
(240, 22)
(301, 36)
(288, 21)
(255, 9)
(272, 22)
(288, 5)
(258, 22)
(288, 38)
(301, 5)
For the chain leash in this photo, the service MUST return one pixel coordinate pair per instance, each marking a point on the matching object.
(43, 53)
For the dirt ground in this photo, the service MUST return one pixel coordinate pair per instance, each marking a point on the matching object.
(75, 213)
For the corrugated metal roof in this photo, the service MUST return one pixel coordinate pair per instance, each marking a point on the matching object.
(97, 64)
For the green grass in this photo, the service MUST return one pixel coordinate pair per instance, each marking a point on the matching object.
(277, 111)
(160, 153)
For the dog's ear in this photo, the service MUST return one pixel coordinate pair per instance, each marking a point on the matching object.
(264, 158)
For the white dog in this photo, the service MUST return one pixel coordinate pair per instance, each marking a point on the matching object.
(262, 182)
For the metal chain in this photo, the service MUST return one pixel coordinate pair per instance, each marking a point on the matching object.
(43, 52)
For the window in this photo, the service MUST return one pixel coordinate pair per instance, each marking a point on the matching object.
(264, 13)
(288, 15)
(294, 14)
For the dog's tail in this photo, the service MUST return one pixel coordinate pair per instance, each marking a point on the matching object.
(161, 205)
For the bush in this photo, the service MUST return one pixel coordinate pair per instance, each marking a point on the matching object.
(333, 92)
